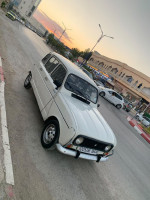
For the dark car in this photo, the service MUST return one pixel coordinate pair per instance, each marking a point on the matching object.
(127, 106)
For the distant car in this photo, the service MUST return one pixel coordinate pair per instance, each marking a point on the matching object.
(111, 96)
(144, 120)
(127, 105)
(11, 15)
(99, 83)
(88, 73)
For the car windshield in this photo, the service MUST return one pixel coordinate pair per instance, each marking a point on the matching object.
(81, 87)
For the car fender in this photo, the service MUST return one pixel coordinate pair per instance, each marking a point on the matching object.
(67, 126)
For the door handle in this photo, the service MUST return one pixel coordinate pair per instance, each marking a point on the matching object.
(46, 78)
(41, 69)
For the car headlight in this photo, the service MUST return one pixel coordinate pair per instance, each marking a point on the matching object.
(79, 140)
(107, 148)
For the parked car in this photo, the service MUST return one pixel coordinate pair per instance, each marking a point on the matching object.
(88, 73)
(67, 99)
(144, 120)
(99, 83)
(111, 96)
(11, 15)
(127, 105)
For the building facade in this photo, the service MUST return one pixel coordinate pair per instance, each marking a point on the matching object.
(128, 81)
(26, 8)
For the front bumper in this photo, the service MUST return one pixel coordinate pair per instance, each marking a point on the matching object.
(77, 154)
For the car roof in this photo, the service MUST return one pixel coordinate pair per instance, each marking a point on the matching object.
(72, 68)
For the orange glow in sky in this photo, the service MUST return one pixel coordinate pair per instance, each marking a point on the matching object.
(126, 21)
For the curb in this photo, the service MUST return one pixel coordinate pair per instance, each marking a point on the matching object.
(138, 128)
(5, 137)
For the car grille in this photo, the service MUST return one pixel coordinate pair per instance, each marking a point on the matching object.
(93, 144)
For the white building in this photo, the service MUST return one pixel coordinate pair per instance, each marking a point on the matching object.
(26, 8)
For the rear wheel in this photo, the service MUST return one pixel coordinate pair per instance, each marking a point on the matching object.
(50, 134)
(27, 83)
(118, 106)
(102, 94)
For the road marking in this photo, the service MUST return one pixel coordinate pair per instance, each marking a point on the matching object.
(5, 137)
(138, 130)
(128, 118)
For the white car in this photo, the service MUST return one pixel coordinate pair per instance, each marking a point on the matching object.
(99, 83)
(111, 96)
(67, 99)
(145, 120)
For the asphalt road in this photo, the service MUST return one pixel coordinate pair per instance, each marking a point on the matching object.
(49, 175)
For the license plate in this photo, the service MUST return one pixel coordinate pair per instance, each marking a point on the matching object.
(87, 150)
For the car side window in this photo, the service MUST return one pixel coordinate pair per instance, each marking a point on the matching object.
(51, 64)
(45, 59)
(59, 74)
(118, 96)
(110, 92)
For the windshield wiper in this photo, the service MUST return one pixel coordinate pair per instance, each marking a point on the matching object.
(75, 91)
(80, 98)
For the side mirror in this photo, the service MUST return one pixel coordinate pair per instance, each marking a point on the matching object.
(98, 105)
(57, 83)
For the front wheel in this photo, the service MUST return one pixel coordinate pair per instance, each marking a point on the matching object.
(50, 134)
(27, 83)
(102, 94)
(118, 106)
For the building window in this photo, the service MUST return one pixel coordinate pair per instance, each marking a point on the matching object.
(140, 85)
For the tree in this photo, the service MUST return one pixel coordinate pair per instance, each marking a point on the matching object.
(3, 4)
(75, 52)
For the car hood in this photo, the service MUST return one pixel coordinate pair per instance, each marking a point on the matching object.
(89, 121)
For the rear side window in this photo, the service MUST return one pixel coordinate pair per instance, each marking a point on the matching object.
(51, 64)
(118, 96)
(45, 59)
(59, 74)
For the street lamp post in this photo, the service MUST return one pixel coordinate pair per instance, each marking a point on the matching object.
(100, 38)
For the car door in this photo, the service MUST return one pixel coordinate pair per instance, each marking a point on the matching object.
(41, 76)
(117, 99)
(38, 83)
(109, 96)
(56, 76)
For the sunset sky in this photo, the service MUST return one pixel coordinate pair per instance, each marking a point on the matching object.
(127, 21)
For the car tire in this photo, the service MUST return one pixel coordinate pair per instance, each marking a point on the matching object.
(102, 94)
(118, 106)
(27, 82)
(137, 117)
(50, 134)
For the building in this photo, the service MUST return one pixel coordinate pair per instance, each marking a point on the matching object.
(26, 8)
(132, 84)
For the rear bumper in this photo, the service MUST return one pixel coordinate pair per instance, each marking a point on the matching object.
(77, 154)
